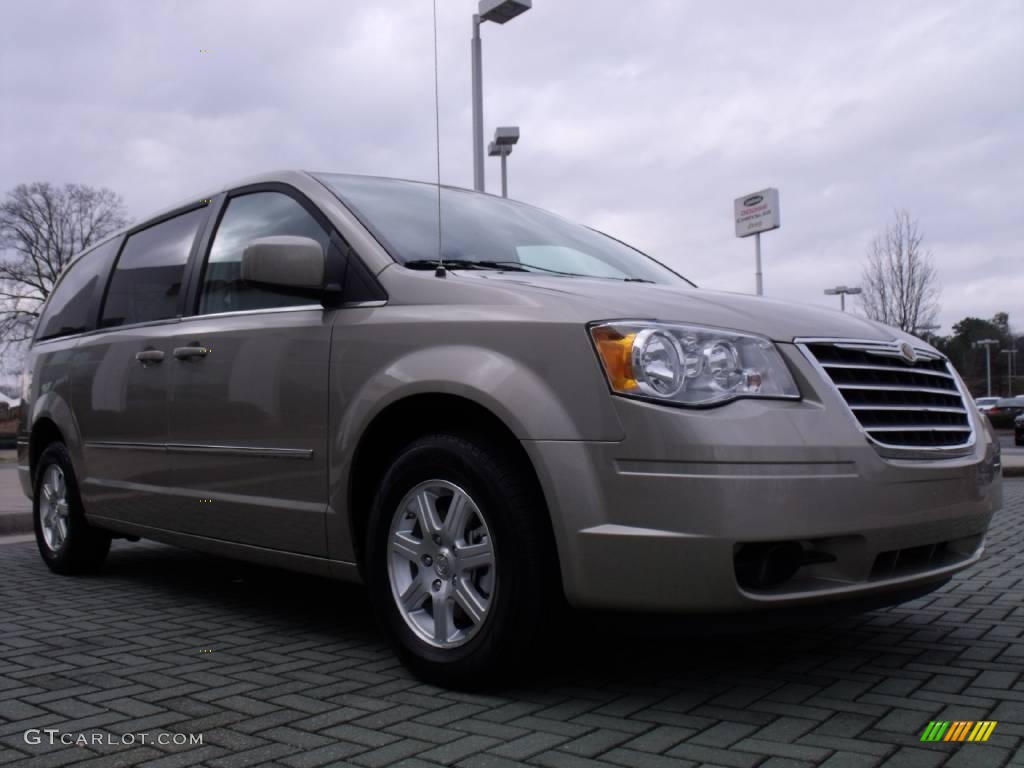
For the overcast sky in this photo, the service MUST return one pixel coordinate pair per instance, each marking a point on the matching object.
(642, 118)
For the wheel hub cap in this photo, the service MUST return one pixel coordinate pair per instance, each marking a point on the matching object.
(441, 563)
(54, 513)
(442, 566)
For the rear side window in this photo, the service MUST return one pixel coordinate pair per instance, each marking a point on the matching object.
(147, 281)
(258, 214)
(73, 304)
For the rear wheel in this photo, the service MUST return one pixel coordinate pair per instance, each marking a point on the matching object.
(459, 561)
(67, 543)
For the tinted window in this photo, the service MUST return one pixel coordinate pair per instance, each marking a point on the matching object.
(260, 214)
(147, 280)
(403, 216)
(72, 305)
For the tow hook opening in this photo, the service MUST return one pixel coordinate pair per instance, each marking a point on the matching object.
(764, 565)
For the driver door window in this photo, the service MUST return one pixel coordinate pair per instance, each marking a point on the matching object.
(247, 217)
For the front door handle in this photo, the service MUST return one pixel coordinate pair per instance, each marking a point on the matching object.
(183, 353)
(148, 356)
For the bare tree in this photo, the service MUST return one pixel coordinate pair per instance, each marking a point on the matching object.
(901, 286)
(41, 227)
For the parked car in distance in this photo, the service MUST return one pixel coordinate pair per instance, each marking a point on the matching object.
(1005, 410)
(985, 403)
(290, 370)
(9, 413)
(1018, 430)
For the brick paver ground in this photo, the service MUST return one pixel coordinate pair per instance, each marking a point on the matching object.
(278, 669)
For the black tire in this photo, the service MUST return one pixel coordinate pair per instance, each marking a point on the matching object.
(527, 587)
(84, 548)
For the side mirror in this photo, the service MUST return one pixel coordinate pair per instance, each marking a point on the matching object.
(285, 261)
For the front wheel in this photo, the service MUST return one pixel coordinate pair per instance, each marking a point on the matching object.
(67, 543)
(459, 560)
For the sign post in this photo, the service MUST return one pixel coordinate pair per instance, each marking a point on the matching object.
(756, 213)
(758, 275)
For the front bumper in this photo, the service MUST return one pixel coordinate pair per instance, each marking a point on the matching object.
(654, 522)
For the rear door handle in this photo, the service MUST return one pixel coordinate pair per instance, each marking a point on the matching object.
(147, 356)
(183, 353)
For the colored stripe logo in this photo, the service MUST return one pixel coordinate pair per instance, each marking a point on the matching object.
(958, 730)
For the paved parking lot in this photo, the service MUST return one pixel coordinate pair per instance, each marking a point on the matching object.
(277, 669)
(1009, 446)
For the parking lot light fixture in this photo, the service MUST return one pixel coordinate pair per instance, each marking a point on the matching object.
(505, 138)
(842, 291)
(987, 344)
(500, 12)
(1011, 357)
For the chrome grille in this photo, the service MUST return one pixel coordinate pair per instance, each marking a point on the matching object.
(902, 405)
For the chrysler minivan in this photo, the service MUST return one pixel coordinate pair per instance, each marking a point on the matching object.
(485, 416)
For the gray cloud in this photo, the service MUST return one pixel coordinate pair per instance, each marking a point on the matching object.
(643, 118)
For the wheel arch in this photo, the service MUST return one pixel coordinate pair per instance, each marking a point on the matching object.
(44, 433)
(52, 418)
(401, 422)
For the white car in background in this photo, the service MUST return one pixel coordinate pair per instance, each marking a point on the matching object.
(985, 403)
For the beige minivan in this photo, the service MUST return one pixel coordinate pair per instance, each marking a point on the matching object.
(486, 418)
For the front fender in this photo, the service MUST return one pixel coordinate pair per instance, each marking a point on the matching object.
(531, 406)
(526, 403)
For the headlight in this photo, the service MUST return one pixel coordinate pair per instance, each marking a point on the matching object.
(689, 364)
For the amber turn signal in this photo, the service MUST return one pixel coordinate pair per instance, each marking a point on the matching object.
(616, 353)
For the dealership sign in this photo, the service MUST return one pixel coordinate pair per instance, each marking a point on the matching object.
(757, 212)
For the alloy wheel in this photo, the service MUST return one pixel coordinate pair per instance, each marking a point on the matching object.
(441, 563)
(54, 513)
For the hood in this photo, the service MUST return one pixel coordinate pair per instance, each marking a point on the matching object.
(597, 299)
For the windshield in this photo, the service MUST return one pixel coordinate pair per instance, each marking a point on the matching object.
(484, 232)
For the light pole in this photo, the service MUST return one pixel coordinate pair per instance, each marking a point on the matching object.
(504, 139)
(1011, 356)
(987, 343)
(926, 330)
(841, 291)
(498, 11)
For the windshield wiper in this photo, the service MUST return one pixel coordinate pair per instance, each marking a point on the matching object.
(519, 267)
(522, 266)
(449, 263)
(509, 266)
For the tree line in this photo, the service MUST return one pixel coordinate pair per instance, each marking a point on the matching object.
(42, 226)
(969, 357)
(900, 287)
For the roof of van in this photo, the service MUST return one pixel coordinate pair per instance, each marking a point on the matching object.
(286, 176)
